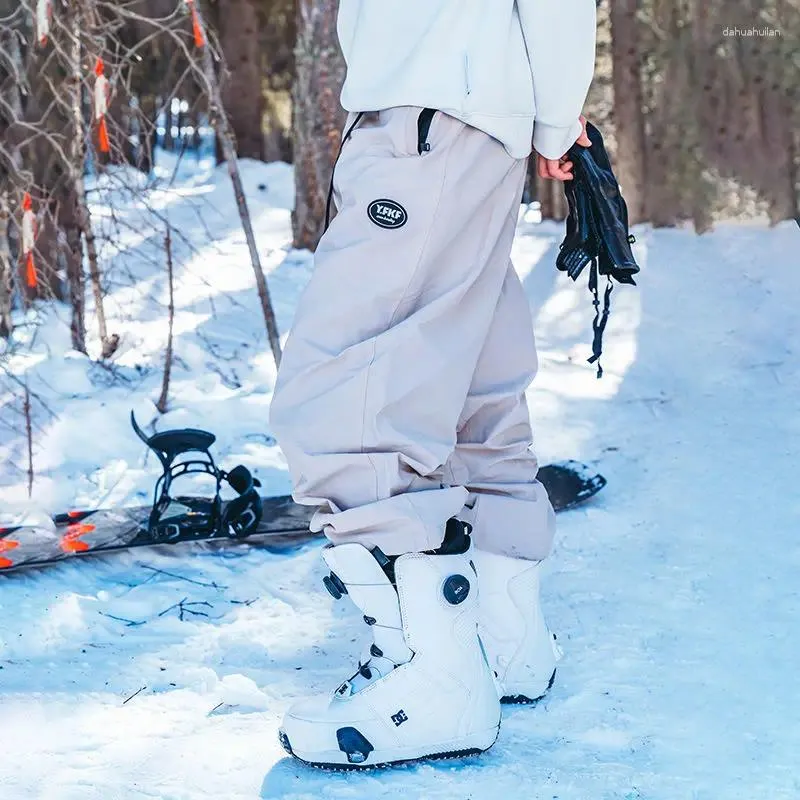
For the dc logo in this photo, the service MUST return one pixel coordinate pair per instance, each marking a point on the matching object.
(399, 718)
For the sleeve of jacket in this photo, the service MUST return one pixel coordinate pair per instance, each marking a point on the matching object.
(560, 38)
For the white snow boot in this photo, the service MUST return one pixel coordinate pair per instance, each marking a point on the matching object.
(520, 647)
(423, 688)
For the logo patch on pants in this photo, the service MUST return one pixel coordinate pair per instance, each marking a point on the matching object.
(387, 214)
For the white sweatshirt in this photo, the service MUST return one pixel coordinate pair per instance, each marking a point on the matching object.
(498, 65)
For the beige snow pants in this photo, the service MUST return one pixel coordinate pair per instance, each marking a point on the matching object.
(400, 401)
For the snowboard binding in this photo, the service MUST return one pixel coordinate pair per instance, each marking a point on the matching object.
(174, 518)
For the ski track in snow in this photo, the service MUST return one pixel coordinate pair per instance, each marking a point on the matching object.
(163, 673)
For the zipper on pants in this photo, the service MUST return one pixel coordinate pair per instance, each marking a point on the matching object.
(423, 129)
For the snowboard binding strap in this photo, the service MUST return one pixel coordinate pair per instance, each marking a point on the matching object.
(171, 517)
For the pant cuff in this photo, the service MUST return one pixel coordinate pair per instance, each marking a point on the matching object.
(406, 523)
(510, 526)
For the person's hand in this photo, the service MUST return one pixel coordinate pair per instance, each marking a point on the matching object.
(560, 169)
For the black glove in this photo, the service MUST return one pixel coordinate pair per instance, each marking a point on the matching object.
(597, 225)
(597, 230)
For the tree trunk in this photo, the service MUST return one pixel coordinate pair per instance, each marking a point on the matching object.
(6, 271)
(69, 223)
(226, 139)
(772, 76)
(707, 101)
(665, 140)
(278, 36)
(779, 143)
(8, 174)
(163, 399)
(629, 107)
(71, 205)
(26, 409)
(147, 130)
(119, 127)
(77, 165)
(168, 142)
(277, 138)
(242, 92)
(318, 116)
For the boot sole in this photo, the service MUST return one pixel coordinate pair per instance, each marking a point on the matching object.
(335, 766)
(523, 700)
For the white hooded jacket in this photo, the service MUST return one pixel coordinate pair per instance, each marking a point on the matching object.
(498, 65)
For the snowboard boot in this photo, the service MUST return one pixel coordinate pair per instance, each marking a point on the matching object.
(423, 688)
(520, 648)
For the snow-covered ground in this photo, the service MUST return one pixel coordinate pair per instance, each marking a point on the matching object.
(164, 673)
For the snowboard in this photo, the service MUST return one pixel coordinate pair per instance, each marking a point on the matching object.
(283, 525)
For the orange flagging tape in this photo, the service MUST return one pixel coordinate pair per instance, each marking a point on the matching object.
(102, 136)
(197, 30)
(31, 278)
(101, 92)
(28, 240)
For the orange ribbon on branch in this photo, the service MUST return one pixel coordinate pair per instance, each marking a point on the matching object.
(197, 28)
(44, 13)
(29, 240)
(101, 92)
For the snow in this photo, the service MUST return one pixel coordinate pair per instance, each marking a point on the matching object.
(164, 673)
